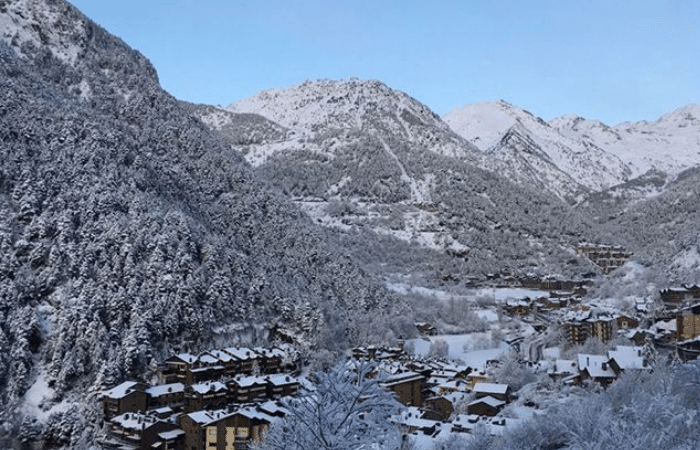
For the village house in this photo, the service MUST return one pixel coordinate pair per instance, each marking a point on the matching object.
(245, 389)
(677, 296)
(224, 429)
(212, 394)
(688, 323)
(171, 395)
(626, 358)
(495, 390)
(426, 329)
(407, 386)
(565, 370)
(596, 368)
(582, 325)
(177, 368)
(281, 385)
(136, 431)
(247, 360)
(129, 396)
(485, 406)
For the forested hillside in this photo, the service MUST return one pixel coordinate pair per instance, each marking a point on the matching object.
(128, 230)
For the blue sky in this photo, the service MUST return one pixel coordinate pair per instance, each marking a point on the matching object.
(612, 60)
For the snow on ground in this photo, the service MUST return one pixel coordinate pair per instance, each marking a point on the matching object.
(39, 396)
(459, 346)
(502, 294)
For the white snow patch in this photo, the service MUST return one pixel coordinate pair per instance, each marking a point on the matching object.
(458, 348)
(38, 400)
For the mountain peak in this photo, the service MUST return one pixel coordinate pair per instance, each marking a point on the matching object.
(57, 25)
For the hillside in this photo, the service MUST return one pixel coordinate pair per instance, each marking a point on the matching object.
(368, 160)
(129, 230)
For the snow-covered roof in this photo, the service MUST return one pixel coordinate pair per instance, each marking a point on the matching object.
(564, 366)
(491, 401)
(221, 355)
(400, 378)
(269, 352)
(280, 379)
(208, 359)
(250, 380)
(596, 365)
(628, 358)
(120, 391)
(212, 386)
(185, 357)
(163, 389)
(272, 408)
(134, 421)
(172, 434)
(206, 417)
(242, 353)
(491, 388)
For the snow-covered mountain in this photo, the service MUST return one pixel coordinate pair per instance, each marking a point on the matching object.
(670, 144)
(528, 148)
(129, 230)
(362, 156)
(356, 105)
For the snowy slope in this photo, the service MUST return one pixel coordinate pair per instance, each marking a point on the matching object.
(369, 106)
(540, 152)
(670, 144)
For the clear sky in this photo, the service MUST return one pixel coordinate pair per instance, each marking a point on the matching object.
(612, 60)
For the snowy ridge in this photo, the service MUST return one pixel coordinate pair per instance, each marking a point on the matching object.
(507, 132)
(354, 104)
(670, 144)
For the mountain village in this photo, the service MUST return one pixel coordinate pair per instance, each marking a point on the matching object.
(228, 398)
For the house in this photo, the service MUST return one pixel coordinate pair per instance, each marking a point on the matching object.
(171, 395)
(412, 421)
(485, 406)
(177, 368)
(136, 431)
(580, 326)
(596, 368)
(565, 370)
(212, 394)
(495, 390)
(607, 257)
(246, 359)
(246, 389)
(281, 385)
(521, 307)
(625, 358)
(626, 322)
(675, 297)
(688, 323)
(224, 429)
(270, 359)
(407, 386)
(438, 408)
(130, 396)
(476, 377)
(426, 329)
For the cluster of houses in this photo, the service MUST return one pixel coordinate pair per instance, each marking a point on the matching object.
(439, 396)
(220, 399)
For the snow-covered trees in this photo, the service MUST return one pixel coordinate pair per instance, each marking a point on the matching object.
(346, 411)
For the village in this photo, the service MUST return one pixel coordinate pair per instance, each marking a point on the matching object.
(539, 345)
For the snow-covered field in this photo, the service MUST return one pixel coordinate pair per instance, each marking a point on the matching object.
(460, 348)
